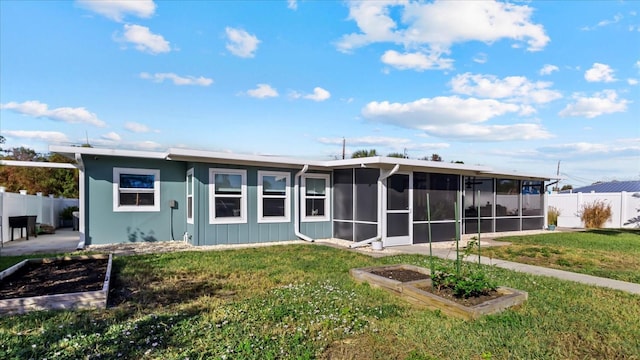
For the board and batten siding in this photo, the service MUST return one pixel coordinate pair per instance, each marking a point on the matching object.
(106, 226)
(252, 231)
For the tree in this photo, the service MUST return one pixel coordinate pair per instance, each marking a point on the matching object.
(59, 182)
(397, 155)
(435, 157)
(567, 187)
(364, 153)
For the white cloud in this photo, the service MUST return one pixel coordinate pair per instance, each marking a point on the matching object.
(319, 94)
(136, 127)
(117, 9)
(454, 117)
(619, 147)
(241, 43)
(513, 88)
(69, 115)
(263, 91)
(292, 4)
(476, 132)
(144, 39)
(632, 81)
(176, 79)
(441, 24)
(46, 136)
(548, 69)
(605, 102)
(480, 58)
(111, 136)
(394, 143)
(415, 61)
(367, 141)
(599, 73)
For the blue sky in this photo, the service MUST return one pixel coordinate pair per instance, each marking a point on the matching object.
(516, 86)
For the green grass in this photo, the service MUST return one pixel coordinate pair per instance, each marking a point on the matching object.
(610, 253)
(299, 302)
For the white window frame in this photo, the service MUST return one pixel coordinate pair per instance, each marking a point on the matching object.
(287, 198)
(303, 202)
(242, 219)
(189, 195)
(117, 171)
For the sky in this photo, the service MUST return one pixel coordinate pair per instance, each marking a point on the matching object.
(518, 86)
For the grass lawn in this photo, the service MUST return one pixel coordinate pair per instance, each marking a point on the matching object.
(610, 253)
(298, 302)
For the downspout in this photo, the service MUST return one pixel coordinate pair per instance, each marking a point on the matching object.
(81, 202)
(296, 206)
(379, 227)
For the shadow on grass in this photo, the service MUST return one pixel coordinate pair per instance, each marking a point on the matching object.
(151, 289)
(614, 232)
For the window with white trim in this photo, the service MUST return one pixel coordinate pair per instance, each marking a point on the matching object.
(315, 202)
(228, 196)
(189, 193)
(273, 196)
(136, 189)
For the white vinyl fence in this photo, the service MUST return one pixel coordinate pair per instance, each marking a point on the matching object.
(46, 208)
(624, 207)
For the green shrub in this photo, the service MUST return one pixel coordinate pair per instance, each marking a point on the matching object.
(595, 214)
(552, 215)
(67, 213)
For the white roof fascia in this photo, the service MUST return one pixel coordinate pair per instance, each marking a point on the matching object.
(517, 175)
(426, 164)
(42, 164)
(107, 152)
(244, 159)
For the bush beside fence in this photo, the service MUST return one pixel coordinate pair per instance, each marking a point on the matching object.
(624, 207)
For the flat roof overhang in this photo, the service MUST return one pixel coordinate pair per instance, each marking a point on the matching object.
(380, 162)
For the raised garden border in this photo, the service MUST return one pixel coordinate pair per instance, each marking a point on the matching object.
(411, 291)
(79, 300)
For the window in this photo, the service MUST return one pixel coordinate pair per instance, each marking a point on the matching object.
(190, 196)
(228, 192)
(273, 196)
(315, 203)
(136, 189)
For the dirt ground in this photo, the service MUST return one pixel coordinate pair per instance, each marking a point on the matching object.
(55, 277)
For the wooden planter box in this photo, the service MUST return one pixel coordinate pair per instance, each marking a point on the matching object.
(412, 291)
(78, 300)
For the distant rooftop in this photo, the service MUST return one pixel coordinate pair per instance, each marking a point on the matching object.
(609, 187)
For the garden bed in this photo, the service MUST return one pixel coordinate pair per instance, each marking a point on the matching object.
(413, 283)
(78, 282)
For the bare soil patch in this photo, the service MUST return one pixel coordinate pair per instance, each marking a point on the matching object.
(58, 276)
(402, 275)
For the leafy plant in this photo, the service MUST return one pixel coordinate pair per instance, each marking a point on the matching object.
(67, 213)
(464, 285)
(552, 215)
(463, 281)
(595, 214)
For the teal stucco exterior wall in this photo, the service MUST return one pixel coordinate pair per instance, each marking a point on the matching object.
(104, 226)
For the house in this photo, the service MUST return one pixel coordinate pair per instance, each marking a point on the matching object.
(631, 186)
(210, 198)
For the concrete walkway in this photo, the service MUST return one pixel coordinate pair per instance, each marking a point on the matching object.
(448, 253)
(64, 240)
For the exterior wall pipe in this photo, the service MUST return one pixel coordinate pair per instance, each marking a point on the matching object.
(379, 227)
(296, 205)
(82, 200)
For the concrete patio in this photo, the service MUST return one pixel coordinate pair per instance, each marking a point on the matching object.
(63, 241)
